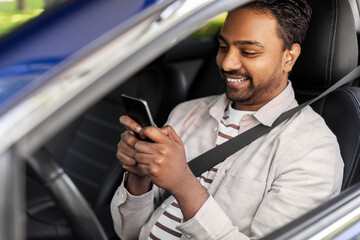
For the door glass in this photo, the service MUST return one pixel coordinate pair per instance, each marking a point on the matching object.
(13, 13)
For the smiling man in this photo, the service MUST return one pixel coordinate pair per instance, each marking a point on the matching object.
(253, 61)
(263, 186)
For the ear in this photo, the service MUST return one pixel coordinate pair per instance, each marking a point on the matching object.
(290, 57)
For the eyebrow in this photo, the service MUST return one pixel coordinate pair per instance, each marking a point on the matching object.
(242, 42)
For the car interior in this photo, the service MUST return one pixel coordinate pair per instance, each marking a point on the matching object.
(86, 148)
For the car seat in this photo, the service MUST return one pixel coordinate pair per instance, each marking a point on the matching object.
(86, 150)
(330, 51)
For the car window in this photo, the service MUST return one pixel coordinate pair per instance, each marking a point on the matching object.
(15, 12)
(212, 28)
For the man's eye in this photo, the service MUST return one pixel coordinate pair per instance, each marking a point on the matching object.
(223, 47)
(245, 53)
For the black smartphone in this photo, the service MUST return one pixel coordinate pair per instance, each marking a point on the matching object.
(138, 110)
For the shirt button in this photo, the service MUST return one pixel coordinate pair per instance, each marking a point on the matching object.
(215, 129)
(163, 205)
(188, 236)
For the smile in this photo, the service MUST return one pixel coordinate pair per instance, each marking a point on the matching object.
(235, 80)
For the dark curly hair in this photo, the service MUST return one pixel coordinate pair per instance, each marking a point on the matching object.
(293, 17)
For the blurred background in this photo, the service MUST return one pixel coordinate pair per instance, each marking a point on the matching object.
(16, 12)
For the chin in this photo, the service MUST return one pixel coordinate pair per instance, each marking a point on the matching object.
(236, 96)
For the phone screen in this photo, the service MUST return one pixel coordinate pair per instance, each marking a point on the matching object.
(138, 110)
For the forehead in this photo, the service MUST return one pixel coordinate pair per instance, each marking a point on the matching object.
(248, 25)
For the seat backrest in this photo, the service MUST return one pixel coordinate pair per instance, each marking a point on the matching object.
(208, 80)
(355, 6)
(329, 52)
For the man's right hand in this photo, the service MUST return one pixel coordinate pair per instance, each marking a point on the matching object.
(137, 183)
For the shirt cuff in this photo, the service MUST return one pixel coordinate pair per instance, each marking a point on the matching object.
(127, 201)
(210, 222)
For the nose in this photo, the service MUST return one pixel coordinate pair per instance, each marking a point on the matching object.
(231, 61)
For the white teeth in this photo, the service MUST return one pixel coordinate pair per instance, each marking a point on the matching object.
(236, 80)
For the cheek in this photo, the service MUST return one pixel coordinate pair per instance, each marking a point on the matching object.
(265, 62)
(262, 67)
(256, 68)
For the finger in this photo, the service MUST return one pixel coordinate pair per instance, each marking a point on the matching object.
(169, 131)
(135, 170)
(129, 163)
(125, 147)
(154, 134)
(126, 160)
(129, 139)
(129, 123)
(144, 158)
(145, 169)
(145, 147)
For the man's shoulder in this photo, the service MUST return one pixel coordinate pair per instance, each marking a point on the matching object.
(308, 123)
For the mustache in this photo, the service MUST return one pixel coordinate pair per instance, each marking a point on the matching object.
(235, 73)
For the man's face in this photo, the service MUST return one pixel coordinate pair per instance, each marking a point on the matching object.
(251, 59)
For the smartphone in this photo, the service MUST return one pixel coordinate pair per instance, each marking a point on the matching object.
(138, 110)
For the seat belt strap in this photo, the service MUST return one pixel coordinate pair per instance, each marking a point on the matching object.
(211, 158)
(214, 156)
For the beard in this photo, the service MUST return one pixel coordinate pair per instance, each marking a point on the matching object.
(252, 93)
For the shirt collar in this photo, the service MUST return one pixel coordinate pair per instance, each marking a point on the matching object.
(268, 113)
(219, 106)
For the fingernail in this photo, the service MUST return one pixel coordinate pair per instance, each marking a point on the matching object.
(138, 129)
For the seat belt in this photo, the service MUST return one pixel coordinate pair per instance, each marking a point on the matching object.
(211, 158)
(214, 156)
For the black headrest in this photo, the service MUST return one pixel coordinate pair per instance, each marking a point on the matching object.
(330, 49)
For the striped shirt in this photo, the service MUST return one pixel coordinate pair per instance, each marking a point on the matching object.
(165, 227)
